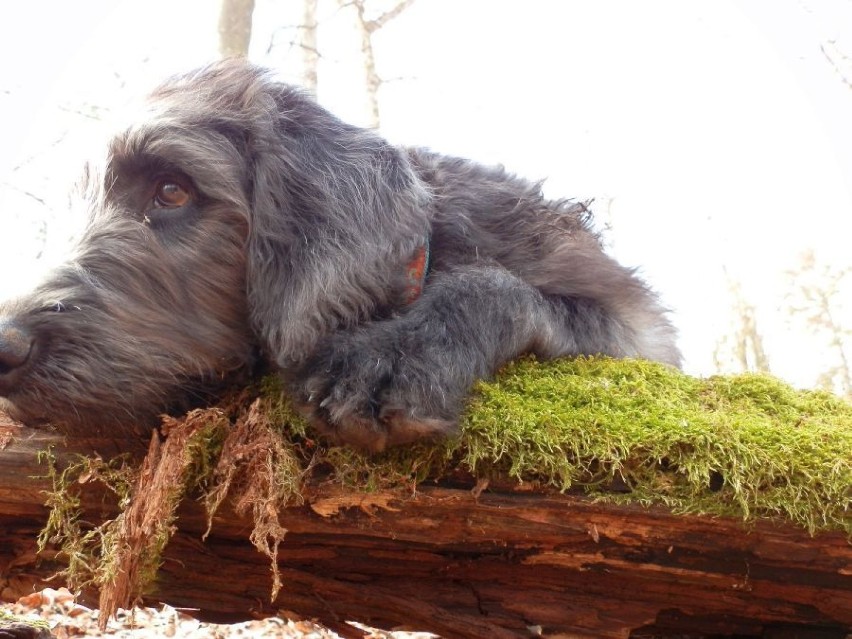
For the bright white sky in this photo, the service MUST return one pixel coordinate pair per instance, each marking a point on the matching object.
(715, 135)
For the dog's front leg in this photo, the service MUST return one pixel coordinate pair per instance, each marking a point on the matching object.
(397, 380)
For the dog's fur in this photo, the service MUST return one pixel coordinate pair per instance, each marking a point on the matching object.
(294, 246)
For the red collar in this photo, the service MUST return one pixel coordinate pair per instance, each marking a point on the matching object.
(415, 273)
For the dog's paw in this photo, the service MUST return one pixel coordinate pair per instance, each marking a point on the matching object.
(366, 396)
(338, 389)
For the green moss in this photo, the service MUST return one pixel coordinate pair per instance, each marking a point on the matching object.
(746, 445)
(633, 431)
(202, 453)
(93, 554)
(41, 624)
(81, 545)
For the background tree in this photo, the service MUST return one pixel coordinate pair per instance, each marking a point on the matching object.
(815, 298)
(366, 27)
(742, 348)
(840, 62)
(235, 28)
(308, 44)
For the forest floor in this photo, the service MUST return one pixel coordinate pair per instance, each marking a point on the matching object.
(67, 618)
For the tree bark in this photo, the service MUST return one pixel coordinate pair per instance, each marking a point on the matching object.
(308, 43)
(366, 28)
(235, 28)
(503, 562)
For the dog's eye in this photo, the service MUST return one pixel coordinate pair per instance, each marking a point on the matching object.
(170, 195)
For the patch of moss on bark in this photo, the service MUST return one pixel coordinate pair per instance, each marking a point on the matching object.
(746, 445)
(624, 431)
(635, 431)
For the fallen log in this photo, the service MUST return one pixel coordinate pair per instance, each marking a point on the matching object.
(501, 563)
(465, 556)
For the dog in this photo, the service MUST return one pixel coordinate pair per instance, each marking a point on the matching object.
(239, 222)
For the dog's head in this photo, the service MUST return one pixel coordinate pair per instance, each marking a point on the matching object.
(235, 217)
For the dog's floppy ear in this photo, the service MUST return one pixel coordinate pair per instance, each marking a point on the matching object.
(336, 210)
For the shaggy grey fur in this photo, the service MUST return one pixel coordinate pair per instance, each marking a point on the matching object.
(293, 246)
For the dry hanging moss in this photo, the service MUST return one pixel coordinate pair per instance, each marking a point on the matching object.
(82, 546)
(261, 471)
(242, 457)
(121, 556)
(745, 446)
(137, 537)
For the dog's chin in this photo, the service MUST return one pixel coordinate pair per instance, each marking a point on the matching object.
(71, 419)
(9, 412)
(17, 414)
(93, 427)
(72, 422)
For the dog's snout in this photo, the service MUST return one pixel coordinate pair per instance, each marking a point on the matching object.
(16, 343)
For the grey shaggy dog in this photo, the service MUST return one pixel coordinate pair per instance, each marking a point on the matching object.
(240, 222)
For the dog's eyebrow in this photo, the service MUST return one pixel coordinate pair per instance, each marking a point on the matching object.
(209, 159)
(174, 138)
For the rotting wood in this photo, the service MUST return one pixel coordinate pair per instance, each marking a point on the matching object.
(461, 565)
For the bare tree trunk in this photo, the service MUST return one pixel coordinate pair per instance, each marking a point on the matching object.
(372, 82)
(816, 291)
(308, 44)
(744, 347)
(839, 61)
(840, 375)
(366, 28)
(235, 28)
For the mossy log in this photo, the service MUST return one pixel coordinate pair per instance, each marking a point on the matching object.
(464, 562)
(587, 497)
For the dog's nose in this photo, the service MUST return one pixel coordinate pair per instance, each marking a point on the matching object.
(15, 346)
